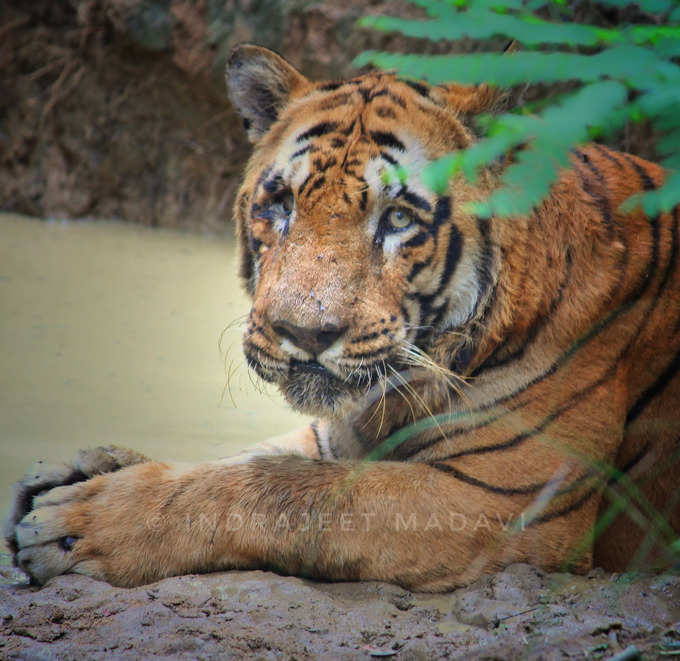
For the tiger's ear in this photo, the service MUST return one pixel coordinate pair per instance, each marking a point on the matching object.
(260, 83)
(474, 99)
(467, 99)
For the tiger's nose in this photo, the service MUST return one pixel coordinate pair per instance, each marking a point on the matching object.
(311, 340)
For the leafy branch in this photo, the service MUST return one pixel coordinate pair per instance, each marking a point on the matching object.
(622, 74)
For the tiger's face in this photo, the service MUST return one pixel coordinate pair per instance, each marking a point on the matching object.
(349, 267)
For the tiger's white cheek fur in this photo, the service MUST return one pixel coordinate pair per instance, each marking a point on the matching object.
(294, 351)
(463, 292)
(331, 356)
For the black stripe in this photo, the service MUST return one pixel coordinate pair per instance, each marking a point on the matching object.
(414, 199)
(316, 185)
(670, 371)
(608, 154)
(601, 200)
(598, 327)
(421, 88)
(336, 101)
(556, 514)
(322, 165)
(405, 314)
(317, 440)
(387, 139)
(452, 257)
(386, 113)
(316, 131)
(442, 211)
(484, 267)
(493, 488)
(330, 86)
(389, 159)
(376, 353)
(418, 266)
(655, 389)
(382, 92)
(572, 401)
(300, 152)
(365, 338)
(303, 185)
(397, 99)
(408, 453)
(542, 320)
(417, 240)
(647, 182)
(630, 464)
(364, 200)
(648, 185)
(365, 93)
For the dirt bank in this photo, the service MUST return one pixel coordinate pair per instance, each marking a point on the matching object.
(517, 613)
(118, 109)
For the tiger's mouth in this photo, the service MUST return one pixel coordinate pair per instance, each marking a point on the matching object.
(312, 388)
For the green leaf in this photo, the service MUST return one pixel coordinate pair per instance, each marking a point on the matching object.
(657, 201)
(477, 24)
(669, 143)
(529, 179)
(632, 59)
(672, 162)
(651, 6)
(663, 199)
(639, 67)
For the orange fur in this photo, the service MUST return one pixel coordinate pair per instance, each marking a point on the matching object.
(530, 365)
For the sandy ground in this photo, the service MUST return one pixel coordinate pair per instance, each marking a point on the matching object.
(518, 613)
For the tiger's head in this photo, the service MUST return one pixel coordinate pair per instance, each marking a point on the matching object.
(350, 269)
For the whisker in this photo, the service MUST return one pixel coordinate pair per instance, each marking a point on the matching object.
(419, 358)
(418, 399)
(238, 321)
(396, 389)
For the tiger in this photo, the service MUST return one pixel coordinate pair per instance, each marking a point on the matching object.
(484, 390)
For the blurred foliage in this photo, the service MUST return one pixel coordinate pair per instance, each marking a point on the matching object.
(618, 74)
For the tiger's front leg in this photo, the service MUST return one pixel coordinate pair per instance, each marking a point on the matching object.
(332, 520)
(94, 479)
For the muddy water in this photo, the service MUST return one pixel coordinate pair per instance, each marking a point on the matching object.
(109, 333)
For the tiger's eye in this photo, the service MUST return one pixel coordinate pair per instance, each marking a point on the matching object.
(399, 219)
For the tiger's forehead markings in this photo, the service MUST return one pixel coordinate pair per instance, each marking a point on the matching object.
(334, 101)
(316, 131)
(387, 139)
(418, 86)
(397, 151)
(298, 162)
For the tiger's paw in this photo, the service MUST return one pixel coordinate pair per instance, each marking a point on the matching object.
(49, 516)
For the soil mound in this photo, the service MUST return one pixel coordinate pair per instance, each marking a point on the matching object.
(518, 613)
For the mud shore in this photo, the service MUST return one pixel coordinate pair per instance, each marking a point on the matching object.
(518, 613)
